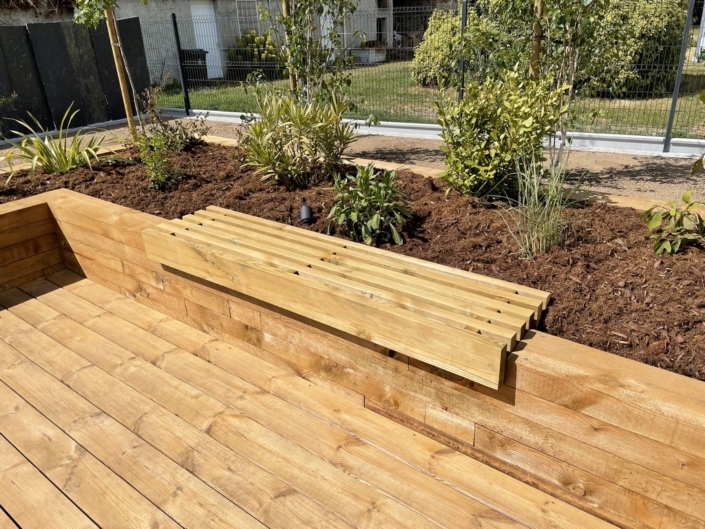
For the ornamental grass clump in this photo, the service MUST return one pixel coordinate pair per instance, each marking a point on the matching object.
(537, 221)
(37, 147)
(296, 143)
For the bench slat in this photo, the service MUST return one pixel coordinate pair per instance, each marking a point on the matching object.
(452, 298)
(409, 265)
(457, 321)
(464, 353)
(482, 320)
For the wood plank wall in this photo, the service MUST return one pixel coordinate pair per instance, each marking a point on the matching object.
(612, 436)
(29, 248)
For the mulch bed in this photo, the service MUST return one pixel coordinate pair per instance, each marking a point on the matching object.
(609, 290)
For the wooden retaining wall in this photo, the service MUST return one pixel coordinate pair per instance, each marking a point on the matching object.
(617, 438)
(29, 247)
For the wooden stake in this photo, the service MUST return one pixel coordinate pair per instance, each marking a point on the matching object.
(286, 11)
(536, 41)
(117, 57)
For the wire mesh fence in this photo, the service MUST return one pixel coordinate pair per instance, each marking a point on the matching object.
(220, 50)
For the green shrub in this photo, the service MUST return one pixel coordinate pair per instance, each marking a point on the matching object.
(159, 137)
(252, 53)
(37, 147)
(297, 144)
(178, 135)
(498, 123)
(537, 222)
(154, 154)
(645, 40)
(487, 49)
(435, 59)
(369, 206)
(676, 225)
(632, 51)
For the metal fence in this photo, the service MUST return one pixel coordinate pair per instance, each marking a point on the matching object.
(219, 51)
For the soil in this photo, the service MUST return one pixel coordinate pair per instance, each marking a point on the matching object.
(609, 290)
(657, 177)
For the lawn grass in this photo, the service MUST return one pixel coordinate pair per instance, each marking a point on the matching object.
(388, 91)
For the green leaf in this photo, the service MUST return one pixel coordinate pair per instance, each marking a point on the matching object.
(655, 221)
(396, 235)
(374, 222)
(697, 166)
(686, 196)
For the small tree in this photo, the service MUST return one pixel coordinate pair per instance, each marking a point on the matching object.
(561, 36)
(309, 33)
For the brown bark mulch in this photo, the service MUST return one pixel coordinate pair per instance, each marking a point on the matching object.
(609, 290)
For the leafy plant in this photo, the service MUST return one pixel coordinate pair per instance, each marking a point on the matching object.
(7, 100)
(369, 206)
(295, 143)
(537, 221)
(178, 134)
(159, 137)
(487, 49)
(315, 54)
(497, 123)
(252, 53)
(154, 154)
(59, 154)
(675, 226)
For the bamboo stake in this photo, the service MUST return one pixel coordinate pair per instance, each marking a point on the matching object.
(536, 41)
(286, 11)
(117, 57)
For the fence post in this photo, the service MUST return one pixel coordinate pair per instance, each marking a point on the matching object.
(461, 61)
(182, 71)
(679, 77)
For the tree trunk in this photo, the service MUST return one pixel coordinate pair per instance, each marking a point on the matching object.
(536, 41)
(119, 66)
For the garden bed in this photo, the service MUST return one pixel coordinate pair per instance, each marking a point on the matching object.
(609, 290)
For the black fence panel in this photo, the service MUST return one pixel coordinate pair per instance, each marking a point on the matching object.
(56, 71)
(79, 48)
(53, 65)
(19, 71)
(133, 45)
(108, 73)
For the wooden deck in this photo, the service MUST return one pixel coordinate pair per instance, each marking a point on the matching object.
(115, 415)
(161, 397)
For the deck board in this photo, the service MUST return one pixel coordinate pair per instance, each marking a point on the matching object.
(357, 457)
(23, 489)
(104, 496)
(174, 426)
(5, 520)
(292, 406)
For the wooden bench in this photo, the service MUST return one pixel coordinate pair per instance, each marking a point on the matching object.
(461, 322)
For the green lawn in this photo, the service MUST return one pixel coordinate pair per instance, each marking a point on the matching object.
(388, 91)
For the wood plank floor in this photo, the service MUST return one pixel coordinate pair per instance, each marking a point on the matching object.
(115, 415)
